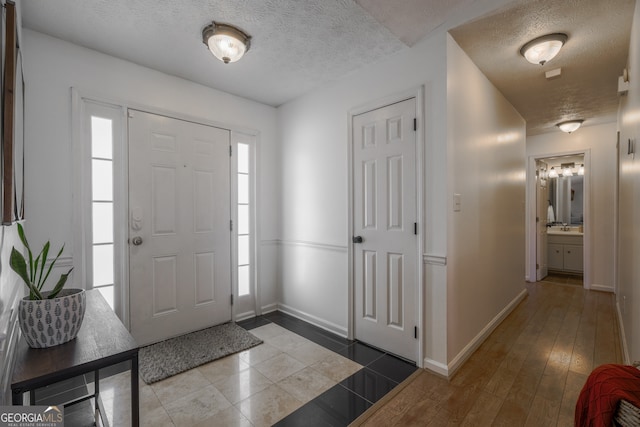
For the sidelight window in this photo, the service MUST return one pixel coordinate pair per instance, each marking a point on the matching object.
(98, 181)
(244, 219)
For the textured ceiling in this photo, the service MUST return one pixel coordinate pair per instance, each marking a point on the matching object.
(591, 60)
(411, 20)
(297, 45)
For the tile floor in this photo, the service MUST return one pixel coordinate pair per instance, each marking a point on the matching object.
(300, 375)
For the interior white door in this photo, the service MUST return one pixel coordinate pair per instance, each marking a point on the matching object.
(179, 226)
(542, 217)
(384, 219)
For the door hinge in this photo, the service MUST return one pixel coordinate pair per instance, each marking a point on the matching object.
(231, 225)
(231, 299)
(230, 151)
(537, 219)
(537, 266)
(415, 228)
(130, 114)
(415, 124)
(415, 332)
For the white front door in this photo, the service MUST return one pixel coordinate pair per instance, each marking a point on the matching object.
(385, 219)
(542, 217)
(179, 226)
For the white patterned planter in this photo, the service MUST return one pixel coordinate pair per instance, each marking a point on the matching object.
(50, 322)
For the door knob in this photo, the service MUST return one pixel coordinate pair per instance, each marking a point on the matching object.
(357, 239)
(137, 241)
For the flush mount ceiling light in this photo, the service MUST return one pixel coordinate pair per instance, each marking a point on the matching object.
(570, 125)
(226, 42)
(543, 49)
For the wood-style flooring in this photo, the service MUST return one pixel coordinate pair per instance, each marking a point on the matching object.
(529, 372)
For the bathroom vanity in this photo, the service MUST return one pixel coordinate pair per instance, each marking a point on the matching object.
(565, 250)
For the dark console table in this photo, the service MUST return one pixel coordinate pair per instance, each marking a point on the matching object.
(102, 341)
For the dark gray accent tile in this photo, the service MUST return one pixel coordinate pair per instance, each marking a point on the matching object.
(335, 407)
(369, 384)
(391, 367)
(361, 353)
(254, 322)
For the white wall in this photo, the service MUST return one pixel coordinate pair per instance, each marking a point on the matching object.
(53, 66)
(628, 294)
(486, 238)
(314, 138)
(314, 143)
(601, 141)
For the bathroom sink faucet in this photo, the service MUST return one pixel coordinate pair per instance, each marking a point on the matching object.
(565, 227)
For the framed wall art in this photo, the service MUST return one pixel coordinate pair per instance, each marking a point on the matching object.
(12, 112)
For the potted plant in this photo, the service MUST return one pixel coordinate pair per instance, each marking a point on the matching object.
(46, 318)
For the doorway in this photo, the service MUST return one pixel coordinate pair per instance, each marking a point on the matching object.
(384, 218)
(561, 243)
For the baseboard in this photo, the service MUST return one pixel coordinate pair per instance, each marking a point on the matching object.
(601, 288)
(623, 337)
(244, 316)
(269, 308)
(437, 367)
(316, 321)
(468, 350)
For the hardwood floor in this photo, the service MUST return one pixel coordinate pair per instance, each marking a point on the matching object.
(529, 372)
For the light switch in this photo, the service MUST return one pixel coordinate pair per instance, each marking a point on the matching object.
(456, 202)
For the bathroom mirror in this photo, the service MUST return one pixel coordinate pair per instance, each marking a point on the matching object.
(566, 197)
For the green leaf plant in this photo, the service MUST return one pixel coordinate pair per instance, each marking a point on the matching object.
(35, 273)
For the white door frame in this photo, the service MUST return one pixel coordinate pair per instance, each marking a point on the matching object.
(418, 94)
(81, 215)
(81, 211)
(531, 213)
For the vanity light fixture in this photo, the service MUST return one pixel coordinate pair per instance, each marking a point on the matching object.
(543, 49)
(226, 42)
(553, 173)
(567, 169)
(570, 125)
(581, 170)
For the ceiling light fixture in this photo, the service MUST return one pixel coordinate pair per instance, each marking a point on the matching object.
(570, 125)
(543, 49)
(226, 42)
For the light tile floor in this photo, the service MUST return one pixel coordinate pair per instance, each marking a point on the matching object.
(323, 378)
(257, 387)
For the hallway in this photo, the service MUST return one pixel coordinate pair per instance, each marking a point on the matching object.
(528, 372)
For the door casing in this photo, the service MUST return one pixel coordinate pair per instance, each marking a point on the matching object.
(541, 214)
(81, 215)
(418, 94)
(530, 262)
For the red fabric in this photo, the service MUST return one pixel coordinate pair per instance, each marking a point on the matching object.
(602, 392)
